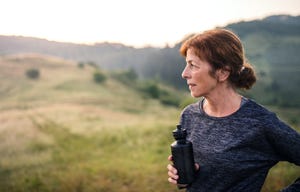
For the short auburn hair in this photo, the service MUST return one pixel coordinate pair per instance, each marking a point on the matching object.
(222, 49)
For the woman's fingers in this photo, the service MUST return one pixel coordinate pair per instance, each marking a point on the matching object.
(172, 173)
(172, 180)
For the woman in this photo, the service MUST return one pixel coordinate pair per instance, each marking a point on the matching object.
(236, 141)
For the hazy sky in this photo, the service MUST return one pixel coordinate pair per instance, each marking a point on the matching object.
(132, 22)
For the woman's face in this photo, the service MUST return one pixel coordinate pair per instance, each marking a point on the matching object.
(197, 74)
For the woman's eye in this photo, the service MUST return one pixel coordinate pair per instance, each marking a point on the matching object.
(192, 66)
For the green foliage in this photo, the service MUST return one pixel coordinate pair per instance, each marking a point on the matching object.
(93, 64)
(272, 46)
(33, 73)
(165, 95)
(127, 77)
(131, 75)
(80, 65)
(151, 89)
(99, 76)
(169, 100)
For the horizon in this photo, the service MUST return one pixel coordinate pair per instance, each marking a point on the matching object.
(127, 45)
(132, 23)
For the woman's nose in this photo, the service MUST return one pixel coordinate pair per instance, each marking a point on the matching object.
(185, 73)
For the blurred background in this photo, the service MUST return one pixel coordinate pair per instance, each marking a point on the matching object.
(91, 90)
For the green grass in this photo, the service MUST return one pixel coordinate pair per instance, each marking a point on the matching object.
(63, 132)
(126, 159)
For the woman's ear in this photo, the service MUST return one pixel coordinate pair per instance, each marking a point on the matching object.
(222, 74)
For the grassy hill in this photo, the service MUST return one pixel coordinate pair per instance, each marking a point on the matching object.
(64, 132)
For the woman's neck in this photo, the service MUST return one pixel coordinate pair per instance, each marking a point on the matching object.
(222, 103)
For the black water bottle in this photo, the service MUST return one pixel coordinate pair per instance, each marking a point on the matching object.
(183, 157)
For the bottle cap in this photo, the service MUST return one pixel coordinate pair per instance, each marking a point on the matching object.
(179, 133)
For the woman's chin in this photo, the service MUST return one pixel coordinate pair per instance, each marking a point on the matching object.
(195, 95)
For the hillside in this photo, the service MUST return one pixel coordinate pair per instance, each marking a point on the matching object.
(272, 45)
(63, 131)
(68, 95)
(63, 82)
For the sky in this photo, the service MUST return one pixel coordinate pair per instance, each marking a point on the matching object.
(136, 23)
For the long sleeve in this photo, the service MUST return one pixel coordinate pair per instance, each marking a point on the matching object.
(285, 140)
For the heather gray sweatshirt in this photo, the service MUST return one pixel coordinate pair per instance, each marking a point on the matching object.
(236, 152)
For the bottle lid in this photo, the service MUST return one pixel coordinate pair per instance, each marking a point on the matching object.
(179, 133)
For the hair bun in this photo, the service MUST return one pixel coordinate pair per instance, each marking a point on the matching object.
(247, 77)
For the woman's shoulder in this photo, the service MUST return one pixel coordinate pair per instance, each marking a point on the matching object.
(252, 108)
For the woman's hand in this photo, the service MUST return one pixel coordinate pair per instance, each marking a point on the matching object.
(172, 171)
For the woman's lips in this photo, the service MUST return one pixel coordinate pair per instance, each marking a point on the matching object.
(191, 85)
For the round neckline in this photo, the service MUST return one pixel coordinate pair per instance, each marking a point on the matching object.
(243, 102)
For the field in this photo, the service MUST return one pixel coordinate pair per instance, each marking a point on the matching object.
(64, 132)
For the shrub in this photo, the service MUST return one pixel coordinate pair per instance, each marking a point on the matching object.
(170, 100)
(128, 77)
(151, 89)
(99, 76)
(80, 65)
(92, 64)
(33, 73)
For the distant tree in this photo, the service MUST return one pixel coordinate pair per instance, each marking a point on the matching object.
(33, 73)
(131, 74)
(169, 99)
(93, 64)
(128, 77)
(151, 89)
(80, 65)
(99, 76)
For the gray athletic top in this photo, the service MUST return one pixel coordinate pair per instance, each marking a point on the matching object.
(236, 152)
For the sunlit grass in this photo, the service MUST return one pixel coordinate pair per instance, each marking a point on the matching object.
(63, 132)
(121, 158)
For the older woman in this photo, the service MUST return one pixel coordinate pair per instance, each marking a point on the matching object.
(236, 141)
